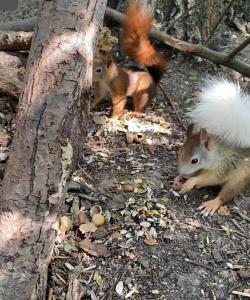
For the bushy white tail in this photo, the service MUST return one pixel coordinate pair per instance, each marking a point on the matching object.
(224, 110)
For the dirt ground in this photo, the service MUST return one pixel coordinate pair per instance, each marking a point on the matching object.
(154, 244)
(157, 244)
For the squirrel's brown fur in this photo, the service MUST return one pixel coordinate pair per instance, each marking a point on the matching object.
(121, 82)
(223, 165)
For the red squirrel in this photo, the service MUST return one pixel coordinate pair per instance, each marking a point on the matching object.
(121, 82)
(217, 148)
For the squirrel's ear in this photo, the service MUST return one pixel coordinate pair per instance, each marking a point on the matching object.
(205, 138)
(108, 60)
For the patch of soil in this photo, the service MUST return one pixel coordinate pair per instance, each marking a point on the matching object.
(185, 255)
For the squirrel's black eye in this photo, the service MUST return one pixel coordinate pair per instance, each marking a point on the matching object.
(98, 70)
(194, 161)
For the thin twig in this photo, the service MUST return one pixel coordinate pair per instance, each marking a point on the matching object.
(243, 216)
(226, 10)
(199, 264)
(169, 99)
(185, 14)
(90, 198)
(237, 225)
(238, 49)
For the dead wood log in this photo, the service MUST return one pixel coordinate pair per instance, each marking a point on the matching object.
(15, 41)
(10, 83)
(198, 50)
(13, 59)
(50, 129)
(19, 25)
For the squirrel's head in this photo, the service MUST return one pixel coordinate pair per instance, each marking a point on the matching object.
(196, 153)
(101, 65)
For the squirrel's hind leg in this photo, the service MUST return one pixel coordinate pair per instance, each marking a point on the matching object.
(236, 182)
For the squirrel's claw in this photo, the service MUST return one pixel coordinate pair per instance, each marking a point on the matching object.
(208, 208)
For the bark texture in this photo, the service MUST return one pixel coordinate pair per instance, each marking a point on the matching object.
(10, 83)
(15, 41)
(13, 59)
(19, 25)
(50, 129)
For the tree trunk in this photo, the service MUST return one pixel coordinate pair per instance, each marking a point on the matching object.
(50, 129)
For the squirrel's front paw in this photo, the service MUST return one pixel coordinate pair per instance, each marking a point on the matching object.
(208, 208)
(188, 185)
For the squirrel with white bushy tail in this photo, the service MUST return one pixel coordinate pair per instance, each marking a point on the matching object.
(217, 147)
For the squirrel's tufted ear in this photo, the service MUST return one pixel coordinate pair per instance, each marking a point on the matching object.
(205, 138)
(191, 130)
(108, 60)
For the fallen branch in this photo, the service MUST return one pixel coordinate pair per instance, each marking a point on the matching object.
(10, 85)
(15, 41)
(238, 49)
(199, 264)
(13, 59)
(198, 50)
(19, 25)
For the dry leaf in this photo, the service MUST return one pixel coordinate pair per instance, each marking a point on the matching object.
(116, 236)
(127, 187)
(98, 279)
(100, 233)
(89, 227)
(65, 224)
(97, 250)
(150, 242)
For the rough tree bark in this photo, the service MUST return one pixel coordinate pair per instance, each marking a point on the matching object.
(50, 129)
(13, 59)
(15, 41)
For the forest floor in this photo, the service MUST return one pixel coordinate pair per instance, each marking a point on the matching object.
(155, 244)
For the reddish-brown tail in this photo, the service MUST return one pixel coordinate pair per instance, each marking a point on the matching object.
(136, 43)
